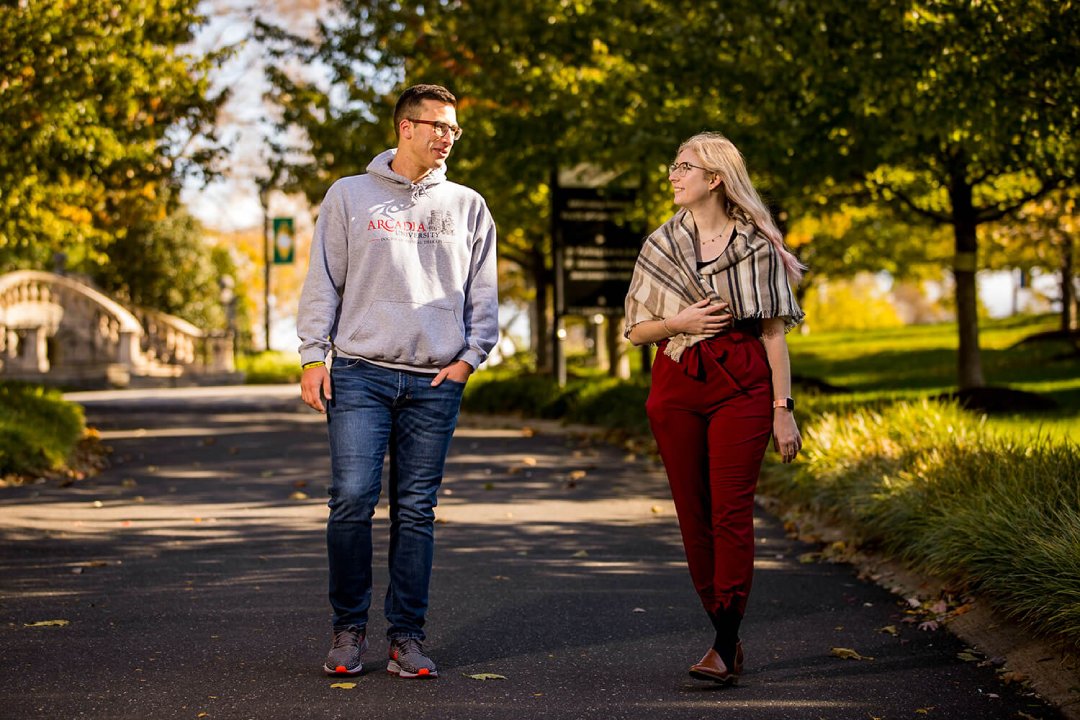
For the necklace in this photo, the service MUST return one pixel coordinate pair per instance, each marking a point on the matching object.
(724, 231)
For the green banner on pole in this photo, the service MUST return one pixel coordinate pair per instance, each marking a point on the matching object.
(284, 244)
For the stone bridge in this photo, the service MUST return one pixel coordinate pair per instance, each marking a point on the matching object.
(57, 330)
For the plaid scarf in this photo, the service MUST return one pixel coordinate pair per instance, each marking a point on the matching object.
(749, 275)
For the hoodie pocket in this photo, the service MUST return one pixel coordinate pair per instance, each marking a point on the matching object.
(408, 333)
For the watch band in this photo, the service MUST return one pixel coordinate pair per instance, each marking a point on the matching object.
(787, 403)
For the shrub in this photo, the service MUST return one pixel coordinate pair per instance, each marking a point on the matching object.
(269, 368)
(38, 429)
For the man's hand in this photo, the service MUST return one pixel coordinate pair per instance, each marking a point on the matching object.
(314, 386)
(458, 371)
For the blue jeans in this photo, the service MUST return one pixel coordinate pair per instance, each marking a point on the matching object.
(375, 410)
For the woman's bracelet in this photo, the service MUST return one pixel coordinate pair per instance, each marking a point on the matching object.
(317, 363)
(663, 321)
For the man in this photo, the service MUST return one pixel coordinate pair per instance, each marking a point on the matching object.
(402, 294)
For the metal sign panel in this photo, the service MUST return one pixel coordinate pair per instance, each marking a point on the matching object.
(595, 250)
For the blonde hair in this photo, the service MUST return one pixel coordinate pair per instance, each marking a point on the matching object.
(720, 156)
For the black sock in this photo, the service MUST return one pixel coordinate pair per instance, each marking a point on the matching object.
(726, 622)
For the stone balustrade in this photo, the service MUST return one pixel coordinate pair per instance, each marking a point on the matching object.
(58, 330)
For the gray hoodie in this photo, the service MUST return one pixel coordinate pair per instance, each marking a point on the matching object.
(402, 274)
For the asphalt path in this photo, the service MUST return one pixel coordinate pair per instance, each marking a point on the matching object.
(190, 579)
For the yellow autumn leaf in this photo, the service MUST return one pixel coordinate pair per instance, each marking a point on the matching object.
(848, 654)
(486, 676)
(890, 629)
(298, 496)
(344, 685)
(48, 623)
(581, 554)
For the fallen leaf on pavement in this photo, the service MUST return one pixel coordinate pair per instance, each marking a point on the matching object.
(298, 496)
(925, 710)
(486, 676)
(581, 553)
(890, 629)
(1013, 677)
(344, 685)
(577, 474)
(48, 623)
(929, 625)
(656, 509)
(638, 610)
(530, 461)
(527, 432)
(968, 657)
(848, 654)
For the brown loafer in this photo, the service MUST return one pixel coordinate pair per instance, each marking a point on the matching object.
(713, 669)
(738, 659)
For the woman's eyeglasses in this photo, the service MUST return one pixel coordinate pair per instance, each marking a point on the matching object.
(678, 169)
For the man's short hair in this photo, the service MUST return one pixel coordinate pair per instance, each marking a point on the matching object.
(412, 99)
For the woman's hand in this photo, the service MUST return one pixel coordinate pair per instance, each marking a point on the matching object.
(786, 437)
(701, 318)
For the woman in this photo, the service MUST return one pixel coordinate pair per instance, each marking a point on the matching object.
(712, 286)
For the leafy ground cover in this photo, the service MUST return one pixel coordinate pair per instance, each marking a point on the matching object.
(38, 429)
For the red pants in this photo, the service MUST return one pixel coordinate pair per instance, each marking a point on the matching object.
(711, 414)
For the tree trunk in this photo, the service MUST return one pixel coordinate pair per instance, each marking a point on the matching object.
(1068, 297)
(541, 333)
(965, 265)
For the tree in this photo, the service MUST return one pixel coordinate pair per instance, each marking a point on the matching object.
(950, 113)
(102, 113)
(953, 111)
(1043, 236)
(169, 265)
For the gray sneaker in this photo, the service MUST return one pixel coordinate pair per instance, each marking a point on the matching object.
(344, 656)
(407, 659)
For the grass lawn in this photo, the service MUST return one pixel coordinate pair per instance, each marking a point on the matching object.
(920, 361)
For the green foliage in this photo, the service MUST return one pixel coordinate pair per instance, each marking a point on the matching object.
(611, 404)
(269, 368)
(102, 111)
(38, 429)
(905, 119)
(852, 305)
(169, 265)
(927, 483)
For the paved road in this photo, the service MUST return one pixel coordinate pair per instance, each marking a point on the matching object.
(192, 576)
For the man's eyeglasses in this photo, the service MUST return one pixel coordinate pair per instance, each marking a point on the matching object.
(441, 128)
(679, 169)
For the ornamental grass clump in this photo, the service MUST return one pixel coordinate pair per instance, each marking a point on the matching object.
(927, 483)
